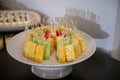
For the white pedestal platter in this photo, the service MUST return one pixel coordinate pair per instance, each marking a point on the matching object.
(49, 69)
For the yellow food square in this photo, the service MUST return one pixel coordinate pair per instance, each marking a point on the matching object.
(77, 48)
(61, 54)
(82, 44)
(27, 38)
(52, 45)
(70, 55)
(29, 49)
(38, 56)
(32, 31)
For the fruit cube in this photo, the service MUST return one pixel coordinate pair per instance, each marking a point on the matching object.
(61, 54)
(52, 45)
(29, 49)
(38, 56)
(82, 44)
(47, 50)
(70, 55)
(27, 38)
(77, 48)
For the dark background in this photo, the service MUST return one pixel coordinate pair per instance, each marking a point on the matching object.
(98, 67)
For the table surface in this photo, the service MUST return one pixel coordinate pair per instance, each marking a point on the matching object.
(98, 67)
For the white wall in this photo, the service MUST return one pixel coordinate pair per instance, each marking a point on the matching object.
(116, 47)
(105, 9)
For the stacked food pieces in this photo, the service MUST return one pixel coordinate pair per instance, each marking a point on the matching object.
(14, 19)
(40, 43)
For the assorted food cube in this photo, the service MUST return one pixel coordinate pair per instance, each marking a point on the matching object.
(40, 43)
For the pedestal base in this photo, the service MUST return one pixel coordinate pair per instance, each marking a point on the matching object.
(51, 72)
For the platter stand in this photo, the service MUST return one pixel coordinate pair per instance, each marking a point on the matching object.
(51, 72)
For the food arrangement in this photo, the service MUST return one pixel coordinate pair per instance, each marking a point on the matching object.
(10, 19)
(17, 18)
(40, 43)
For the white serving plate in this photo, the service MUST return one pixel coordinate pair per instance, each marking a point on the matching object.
(15, 49)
